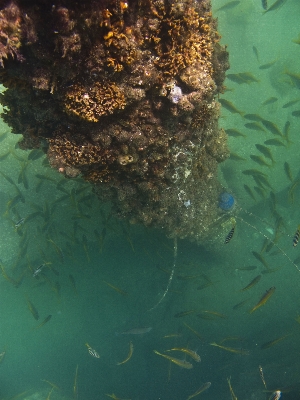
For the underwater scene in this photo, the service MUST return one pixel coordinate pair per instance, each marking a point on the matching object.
(96, 300)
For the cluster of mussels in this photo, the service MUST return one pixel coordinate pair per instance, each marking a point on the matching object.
(123, 94)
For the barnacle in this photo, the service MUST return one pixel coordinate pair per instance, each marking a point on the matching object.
(91, 103)
(125, 159)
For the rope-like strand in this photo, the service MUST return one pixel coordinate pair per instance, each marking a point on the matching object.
(171, 276)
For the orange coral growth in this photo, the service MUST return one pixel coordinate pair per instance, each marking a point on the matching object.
(91, 103)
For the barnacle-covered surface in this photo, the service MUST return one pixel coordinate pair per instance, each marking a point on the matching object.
(124, 94)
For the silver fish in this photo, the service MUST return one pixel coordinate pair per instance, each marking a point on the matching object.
(276, 395)
(92, 351)
(38, 270)
(19, 223)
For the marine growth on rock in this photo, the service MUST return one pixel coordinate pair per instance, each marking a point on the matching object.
(125, 95)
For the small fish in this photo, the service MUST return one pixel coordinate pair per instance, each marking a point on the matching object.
(114, 397)
(73, 284)
(19, 223)
(261, 373)
(8, 178)
(35, 154)
(275, 396)
(263, 300)
(288, 171)
(229, 236)
(4, 156)
(240, 304)
(204, 285)
(271, 127)
(213, 313)
(171, 335)
(204, 387)
(2, 356)
(270, 271)
(295, 78)
(85, 247)
(194, 332)
(255, 126)
(32, 309)
(264, 4)
(274, 142)
(259, 160)
(248, 77)
(291, 192)
(231, 349)
(180, 363)
(265, 151)
(184, 313)
(129, 354)
(276, 5)
(286, 130)
(9, 278)
(233, 396)
(248, 268)
(228, 6)
(273, 342)
(236, 78)
(75, 388)
(3, 136)
(296, 113)
(189, 352)
(236, 157)
(253, 117)
(249, 191)
(267, 65)
(290, 103)
(116, 288)
(269, 101)
(255, 51)
(44, 322)
(296, 237)
(252, 283)
(38, 270)
(137, 331)
(92, 351)
(230, 107)
(235, 133)
(260, 191)
(57, 249)
(261, 259)
(297, 41)
(186, 277)
(254, 172)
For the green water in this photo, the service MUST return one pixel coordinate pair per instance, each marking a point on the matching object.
(139, 261)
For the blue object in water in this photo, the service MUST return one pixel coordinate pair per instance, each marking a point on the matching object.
(226, 201)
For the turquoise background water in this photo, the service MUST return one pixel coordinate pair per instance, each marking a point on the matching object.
(139, 261)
